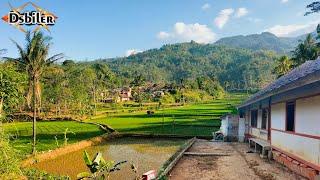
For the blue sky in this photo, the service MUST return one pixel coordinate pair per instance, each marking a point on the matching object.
(90, 29)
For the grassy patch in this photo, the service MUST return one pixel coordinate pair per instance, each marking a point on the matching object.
(47, 132)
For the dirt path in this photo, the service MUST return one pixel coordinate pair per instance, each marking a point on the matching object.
(238, 165)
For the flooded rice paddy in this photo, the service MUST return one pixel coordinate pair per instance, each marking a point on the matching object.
(146, 153)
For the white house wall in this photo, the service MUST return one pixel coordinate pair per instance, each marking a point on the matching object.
(258, 132)
(303, 147)
(308, 116)
(259, 118)
(278, 115)
(304, 142)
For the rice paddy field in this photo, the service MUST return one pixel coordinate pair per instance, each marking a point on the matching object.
(189, 120)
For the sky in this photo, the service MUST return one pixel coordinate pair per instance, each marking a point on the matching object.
(92, 29)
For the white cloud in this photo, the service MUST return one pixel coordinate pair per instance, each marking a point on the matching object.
(163, 35)
(284, 1)
(223, 17)
(130, 52)
(241, 12)
(186, 32)
(292, 29)
(206, 6)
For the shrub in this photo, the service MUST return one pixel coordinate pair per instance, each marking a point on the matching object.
(167, 99)
(37, 174)
(9, 162)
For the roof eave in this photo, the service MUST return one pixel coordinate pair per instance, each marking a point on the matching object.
(311, 78)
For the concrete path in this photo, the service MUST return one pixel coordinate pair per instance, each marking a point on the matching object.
(234, 163)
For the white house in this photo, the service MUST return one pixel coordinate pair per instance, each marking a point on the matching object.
(286, 115)
(125, 94)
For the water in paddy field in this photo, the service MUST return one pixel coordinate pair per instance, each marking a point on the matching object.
(146, 154)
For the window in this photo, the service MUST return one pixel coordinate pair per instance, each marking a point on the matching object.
(290, 116)
(254, 118)
(264, 118)
(241, 114)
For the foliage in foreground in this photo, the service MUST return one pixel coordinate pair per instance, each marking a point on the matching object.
(11, 88)
(9, 163)
(100, 168)
(34, 174)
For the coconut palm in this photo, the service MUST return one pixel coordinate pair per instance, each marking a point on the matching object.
(306, 50)
(34, 58)
(284, 65)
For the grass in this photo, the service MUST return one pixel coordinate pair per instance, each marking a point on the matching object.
(21, 134)
(191, 120)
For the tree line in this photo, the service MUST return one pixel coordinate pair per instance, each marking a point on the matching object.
(308, 49)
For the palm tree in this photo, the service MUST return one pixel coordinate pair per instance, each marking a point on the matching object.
(306, 50)
(34, 58)
(284, 65)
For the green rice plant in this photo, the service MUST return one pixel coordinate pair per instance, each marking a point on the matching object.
(56, 140)
(66, 131)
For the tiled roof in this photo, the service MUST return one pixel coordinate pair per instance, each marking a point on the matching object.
(298, 74)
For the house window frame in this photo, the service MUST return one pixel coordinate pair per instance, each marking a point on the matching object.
(256, 120)
(266, 120)
(294, 116)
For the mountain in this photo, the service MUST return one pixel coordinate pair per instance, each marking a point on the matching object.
(232, 67)
(263, 41)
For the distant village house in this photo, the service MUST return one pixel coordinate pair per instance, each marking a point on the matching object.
(118, 95)
(125, 94)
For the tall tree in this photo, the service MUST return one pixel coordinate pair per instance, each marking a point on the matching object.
(283, 66)
(314, 7)
(34, 57)
(11, 88)
(306, 50)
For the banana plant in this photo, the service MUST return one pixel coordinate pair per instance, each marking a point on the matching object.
(100, 169)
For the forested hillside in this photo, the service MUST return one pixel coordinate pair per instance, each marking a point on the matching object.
(263, 41)
(234, 68)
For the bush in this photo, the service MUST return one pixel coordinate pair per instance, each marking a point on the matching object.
(167, 99)
(192, 96)
(36, 174)
(9, 162)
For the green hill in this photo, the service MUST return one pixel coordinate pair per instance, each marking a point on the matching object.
(263, 41)
(235, 68)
